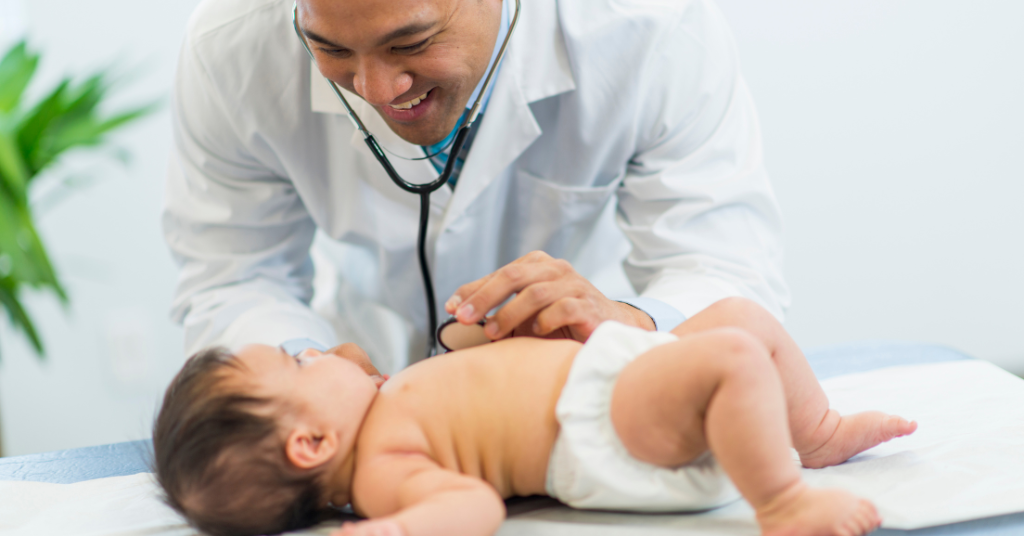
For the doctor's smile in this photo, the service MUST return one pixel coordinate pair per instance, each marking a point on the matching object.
(411, 103)
(410, 110)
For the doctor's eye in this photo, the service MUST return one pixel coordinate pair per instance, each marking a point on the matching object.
(336, 52)
(410, 49)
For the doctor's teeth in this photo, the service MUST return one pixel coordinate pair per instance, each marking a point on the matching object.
(409, 104)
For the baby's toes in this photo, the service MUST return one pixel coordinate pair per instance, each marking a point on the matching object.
(897, 426)
(853, 527)
(869, 517)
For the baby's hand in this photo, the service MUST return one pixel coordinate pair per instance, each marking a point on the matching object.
(372, 527)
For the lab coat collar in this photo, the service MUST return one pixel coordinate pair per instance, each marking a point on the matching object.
(536, 66)
(537, 56)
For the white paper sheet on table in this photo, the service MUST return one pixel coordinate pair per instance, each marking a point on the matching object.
(118, 506)
(966, 461)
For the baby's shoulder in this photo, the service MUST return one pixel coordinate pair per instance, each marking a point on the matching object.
(389, 447)
(379, 475)
(391, 426)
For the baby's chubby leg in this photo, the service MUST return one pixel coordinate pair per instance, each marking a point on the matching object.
(719, 389)
(820, 435)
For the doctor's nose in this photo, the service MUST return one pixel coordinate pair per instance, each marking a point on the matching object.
(379, 83)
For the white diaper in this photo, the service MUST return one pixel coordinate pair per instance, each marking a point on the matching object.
(590, 467)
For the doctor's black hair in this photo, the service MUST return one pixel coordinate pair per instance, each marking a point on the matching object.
(221, 464)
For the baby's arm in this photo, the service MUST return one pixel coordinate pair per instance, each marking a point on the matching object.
(411, 495)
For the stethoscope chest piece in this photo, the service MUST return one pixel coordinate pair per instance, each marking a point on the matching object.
(452, 335)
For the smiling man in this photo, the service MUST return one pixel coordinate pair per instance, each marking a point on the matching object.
(615, 134)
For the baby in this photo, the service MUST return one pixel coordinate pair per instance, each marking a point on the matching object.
(261, 442)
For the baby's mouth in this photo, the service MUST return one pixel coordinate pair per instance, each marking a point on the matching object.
(409, 104)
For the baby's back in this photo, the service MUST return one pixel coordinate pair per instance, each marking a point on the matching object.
(487, 412)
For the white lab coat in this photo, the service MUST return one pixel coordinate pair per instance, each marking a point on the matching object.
(619, 134)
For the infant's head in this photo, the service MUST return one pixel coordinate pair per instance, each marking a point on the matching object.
(260, 442)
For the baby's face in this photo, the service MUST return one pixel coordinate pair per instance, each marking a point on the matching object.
(321, 389)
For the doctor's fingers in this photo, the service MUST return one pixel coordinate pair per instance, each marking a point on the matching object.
(579, 316)
(454, 303)
(531, 301)
(509, 280)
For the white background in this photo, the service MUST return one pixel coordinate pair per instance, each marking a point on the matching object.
(892, 132)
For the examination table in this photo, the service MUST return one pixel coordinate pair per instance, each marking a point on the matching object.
(540, 516)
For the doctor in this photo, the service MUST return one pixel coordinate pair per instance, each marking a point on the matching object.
(600, 112)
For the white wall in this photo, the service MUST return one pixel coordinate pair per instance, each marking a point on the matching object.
(891, 132)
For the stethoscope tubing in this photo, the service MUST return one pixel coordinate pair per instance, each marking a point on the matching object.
(423, 190)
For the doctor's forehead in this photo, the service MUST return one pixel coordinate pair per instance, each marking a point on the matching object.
(371, 22)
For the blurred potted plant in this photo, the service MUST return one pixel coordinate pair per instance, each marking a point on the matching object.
(31, 139)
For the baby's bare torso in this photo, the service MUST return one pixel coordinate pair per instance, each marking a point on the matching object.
(487, 412)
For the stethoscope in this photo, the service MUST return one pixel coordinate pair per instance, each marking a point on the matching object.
(423, 190)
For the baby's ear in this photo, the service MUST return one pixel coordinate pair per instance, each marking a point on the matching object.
(307, 449)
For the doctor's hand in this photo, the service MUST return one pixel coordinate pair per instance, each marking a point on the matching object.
(551, 300)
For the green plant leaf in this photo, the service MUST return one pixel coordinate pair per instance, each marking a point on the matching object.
(34, 124)
(41, 265)
(85, 132)
(19, 317)
(82, 99)
(67, 117)
(13, 171)
(20, 243)
(20, 266)
(16, 70)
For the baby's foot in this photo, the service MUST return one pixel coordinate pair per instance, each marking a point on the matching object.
(805, 511)
(856, 433)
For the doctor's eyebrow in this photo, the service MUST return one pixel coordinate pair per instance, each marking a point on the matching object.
(404, 31)
(313, 36)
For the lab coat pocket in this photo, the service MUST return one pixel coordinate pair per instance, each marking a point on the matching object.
(557, 218)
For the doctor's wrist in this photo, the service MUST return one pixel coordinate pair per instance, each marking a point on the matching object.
(634, 316)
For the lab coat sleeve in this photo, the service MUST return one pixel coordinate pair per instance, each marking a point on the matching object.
(664, 316)
(239, 233)
(696, 202)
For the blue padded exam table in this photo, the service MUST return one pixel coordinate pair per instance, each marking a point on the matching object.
(121, 459)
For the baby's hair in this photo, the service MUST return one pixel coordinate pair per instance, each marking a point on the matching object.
(222, 462)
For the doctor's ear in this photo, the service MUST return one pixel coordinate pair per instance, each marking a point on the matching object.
(307, 449)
